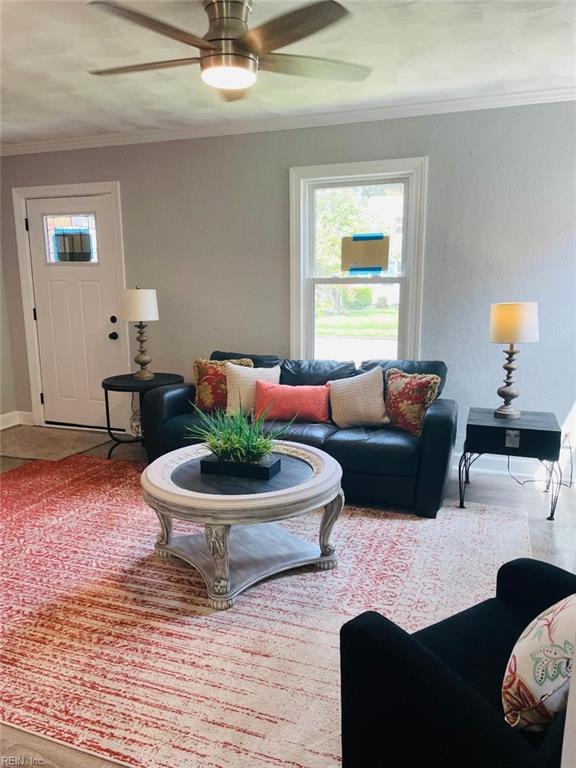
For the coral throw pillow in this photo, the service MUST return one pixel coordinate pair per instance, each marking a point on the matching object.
(210, 379)
(537, 678)
(241, 383)
(408, 395)
(359, 400)
(283, 402)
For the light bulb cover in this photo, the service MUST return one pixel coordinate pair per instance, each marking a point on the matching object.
(229, 72)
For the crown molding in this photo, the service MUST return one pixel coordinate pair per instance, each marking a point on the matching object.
(288, 122)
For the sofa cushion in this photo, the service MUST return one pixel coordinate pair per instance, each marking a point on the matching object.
(311, 434)
(412, 366)
(175, 428)
(314, 372)
(259, 361)
(374, 451)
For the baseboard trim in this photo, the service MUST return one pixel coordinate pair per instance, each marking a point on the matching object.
(13, 418)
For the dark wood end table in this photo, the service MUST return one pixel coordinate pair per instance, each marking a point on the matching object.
(534, 435)
(127, 383)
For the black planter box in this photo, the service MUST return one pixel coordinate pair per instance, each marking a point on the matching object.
(264, 470)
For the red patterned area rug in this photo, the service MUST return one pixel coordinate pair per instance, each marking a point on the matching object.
(113, 650)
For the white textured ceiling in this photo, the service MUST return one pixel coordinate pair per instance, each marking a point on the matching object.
(419, 51)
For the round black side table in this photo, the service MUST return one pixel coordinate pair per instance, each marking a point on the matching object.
(127, 383)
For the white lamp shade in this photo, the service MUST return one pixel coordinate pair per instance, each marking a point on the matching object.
(514, 322)
(139, 304)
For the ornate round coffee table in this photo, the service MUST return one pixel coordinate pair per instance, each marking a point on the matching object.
(243, 542)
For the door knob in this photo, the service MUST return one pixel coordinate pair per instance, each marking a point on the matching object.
(113, 335)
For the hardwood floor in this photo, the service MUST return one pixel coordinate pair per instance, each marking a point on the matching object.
(554, 542)
(26, 750)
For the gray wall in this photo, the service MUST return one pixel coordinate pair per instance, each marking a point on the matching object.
(206, 222)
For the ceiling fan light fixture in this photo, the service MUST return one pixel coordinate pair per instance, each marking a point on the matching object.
(229, 73)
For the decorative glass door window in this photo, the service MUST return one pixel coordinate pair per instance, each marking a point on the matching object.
(70, 238)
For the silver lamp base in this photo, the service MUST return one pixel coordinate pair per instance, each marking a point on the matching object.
(142, 359)
(508, 392)
(507, 412)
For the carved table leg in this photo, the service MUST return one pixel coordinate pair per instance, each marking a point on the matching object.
(165, 532)
(331, 513)
(217, 540)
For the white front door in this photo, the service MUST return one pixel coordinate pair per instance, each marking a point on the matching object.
(77, 268)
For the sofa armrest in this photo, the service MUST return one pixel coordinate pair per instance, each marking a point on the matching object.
(528, 586)
(438, 438)
(161, 404)
(398, 698)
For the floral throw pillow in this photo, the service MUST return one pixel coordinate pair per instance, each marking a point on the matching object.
(210, 379)
(538, 673)
(408, 395)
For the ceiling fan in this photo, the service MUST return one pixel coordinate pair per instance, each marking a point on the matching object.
(231, 54)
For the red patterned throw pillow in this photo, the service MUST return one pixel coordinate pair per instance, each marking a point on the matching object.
(210, 379)
(408, 395)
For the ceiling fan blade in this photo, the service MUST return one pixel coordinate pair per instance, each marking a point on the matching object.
(312, 66)
(236, 95)
(292, 26)
(146, 67)
(153, 24)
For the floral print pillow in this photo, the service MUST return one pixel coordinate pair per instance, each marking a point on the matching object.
(209, 376)
(408, 395)
(538, 674)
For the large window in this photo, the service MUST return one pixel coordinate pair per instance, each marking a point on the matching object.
(340, 310)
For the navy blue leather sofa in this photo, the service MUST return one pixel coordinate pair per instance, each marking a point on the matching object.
(382, 466)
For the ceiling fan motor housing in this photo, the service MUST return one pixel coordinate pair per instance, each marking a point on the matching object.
(228, 21)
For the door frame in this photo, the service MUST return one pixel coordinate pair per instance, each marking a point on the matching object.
(20, 196)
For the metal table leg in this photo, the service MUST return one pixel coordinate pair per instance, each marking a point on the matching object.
(117, 440)
(462, 478)
(553, 485)
(466, 460)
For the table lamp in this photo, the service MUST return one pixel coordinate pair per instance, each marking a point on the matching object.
(511, 324)
(139, 305)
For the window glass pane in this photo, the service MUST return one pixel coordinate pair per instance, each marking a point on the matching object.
(362, 209)
(71, 238)
(356, 322)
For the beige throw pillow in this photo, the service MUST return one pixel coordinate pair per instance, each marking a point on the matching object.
(241, 385)
(359, 401)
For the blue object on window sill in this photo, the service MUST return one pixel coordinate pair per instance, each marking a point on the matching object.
(364, 271)
(373, 236)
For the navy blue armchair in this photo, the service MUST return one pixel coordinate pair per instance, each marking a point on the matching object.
(433, 697)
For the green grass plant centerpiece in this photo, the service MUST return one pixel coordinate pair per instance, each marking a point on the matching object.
(240, 445)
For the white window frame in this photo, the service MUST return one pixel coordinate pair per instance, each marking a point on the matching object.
(413, 172)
